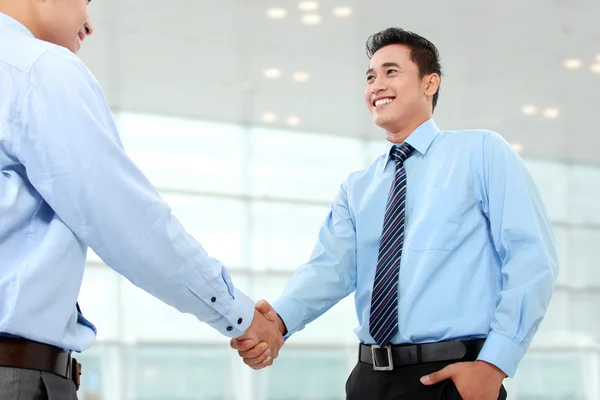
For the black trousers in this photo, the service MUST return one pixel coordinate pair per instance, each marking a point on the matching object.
(402, 383)
(25, 384)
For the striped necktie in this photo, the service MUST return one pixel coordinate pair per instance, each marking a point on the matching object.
(383, 324)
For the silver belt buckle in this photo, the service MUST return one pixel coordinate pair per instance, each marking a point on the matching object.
(390, 365)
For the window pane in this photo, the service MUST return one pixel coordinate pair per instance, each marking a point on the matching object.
(301, 165)
(557, 315)
(284, 234)
(375, 149)
(565, 267)
(219, 224)
(584, 189)
(177, 153)
(584, 253)
(177, 373)
(551, 180)
(92, 379)
(584, 312)
(101, 377)
(551, 376)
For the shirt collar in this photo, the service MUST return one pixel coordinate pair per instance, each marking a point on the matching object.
(7, 22)
(420, 139)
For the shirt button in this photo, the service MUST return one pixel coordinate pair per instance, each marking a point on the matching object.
(240, 321)
(229, 328)
(213, 299)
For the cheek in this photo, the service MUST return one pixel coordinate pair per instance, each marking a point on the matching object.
(368, 100)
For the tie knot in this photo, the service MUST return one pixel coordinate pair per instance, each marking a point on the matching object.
(401, 152)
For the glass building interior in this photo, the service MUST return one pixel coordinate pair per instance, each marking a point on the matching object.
(247, 116)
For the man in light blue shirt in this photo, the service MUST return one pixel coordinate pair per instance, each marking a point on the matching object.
(66, 184)
(443, 239)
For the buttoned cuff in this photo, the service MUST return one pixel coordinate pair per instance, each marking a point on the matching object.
(501, 352)
(240, 318)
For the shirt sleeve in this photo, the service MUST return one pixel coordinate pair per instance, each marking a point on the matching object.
(74, 158)
(524, 242)
(328, 276)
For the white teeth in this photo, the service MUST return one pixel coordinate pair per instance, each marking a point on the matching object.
(383, 101)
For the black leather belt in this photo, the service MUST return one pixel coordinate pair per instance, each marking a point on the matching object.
(385, 358)
(26, 354)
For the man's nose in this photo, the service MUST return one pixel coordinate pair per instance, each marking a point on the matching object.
(88, 28)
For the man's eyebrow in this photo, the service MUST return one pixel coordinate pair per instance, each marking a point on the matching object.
(385, 65)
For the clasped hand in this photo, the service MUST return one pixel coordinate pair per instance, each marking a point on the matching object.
(261, 342)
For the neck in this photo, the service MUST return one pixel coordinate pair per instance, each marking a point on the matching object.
(398, 136)
(20, 11)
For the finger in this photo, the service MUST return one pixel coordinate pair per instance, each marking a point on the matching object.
(268, 362)
(242, 345)
(439, 376)
(264, 364)
(255, 351)
(256, 361)
(266, 309)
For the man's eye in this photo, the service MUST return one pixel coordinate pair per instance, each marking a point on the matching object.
(370, 78)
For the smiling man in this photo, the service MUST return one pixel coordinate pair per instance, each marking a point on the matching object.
(444, 240)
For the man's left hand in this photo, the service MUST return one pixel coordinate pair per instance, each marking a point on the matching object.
(478, 380)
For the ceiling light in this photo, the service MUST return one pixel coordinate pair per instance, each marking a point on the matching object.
(308, 5)
(595, 68)
(551, 113)
(268, 117)
(292, 121)
(276, 13)
(518, 147)
(572, 63)
(342, 12)
(272, 73)
(300, 76)
(529, 110)
(598, 57)
(311, 19)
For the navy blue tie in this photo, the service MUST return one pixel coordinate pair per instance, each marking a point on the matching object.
(383, 324)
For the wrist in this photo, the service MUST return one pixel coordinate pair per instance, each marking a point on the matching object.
(281, 325)
(491, 368)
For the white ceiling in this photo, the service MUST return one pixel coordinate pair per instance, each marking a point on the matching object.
(205, 59)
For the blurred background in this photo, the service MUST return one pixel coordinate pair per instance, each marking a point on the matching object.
(248, 114)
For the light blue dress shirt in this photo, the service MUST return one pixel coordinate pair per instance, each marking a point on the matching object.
(479, 256)
(66, 184)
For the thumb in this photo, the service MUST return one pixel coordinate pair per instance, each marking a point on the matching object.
(263, 307)
(438, 376)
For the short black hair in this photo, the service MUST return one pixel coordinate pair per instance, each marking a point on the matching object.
(422, 51)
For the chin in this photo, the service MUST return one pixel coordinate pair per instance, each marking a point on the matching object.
(381, 122)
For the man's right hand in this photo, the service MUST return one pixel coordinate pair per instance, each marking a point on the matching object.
(260, 354)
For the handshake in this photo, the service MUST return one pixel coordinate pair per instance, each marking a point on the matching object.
(261, 342)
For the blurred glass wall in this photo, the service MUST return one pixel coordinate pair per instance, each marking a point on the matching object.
(248, 115)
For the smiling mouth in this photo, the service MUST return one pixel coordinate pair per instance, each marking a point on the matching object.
(382, 102)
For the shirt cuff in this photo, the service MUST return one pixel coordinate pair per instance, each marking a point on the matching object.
(501, 352)
(240, 318)
(290, 312)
